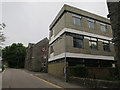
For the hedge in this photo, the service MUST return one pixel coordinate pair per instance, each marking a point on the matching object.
(81, 71)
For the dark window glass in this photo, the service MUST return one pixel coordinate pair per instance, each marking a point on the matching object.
(78, 42)
(106, 47)
(51, 49)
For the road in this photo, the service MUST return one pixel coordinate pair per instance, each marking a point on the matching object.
(16, 78)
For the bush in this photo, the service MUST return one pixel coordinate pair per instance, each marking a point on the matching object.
(114, 74)
(3, 68)
(78, 71)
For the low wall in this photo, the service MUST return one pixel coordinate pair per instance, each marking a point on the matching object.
(101, 73)
(94, 72)
(94, 83)
(56, 69)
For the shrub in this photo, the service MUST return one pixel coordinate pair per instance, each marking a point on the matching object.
(78, 71)
(3, 68)
(114, 73)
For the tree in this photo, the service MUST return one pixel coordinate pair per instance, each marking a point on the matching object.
(2, 39)
(14, 55)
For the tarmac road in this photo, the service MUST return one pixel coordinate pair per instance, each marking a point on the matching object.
(16, 78)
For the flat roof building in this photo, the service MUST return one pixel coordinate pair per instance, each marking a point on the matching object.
(79, 38)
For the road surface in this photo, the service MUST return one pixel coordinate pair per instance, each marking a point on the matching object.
(16, 78)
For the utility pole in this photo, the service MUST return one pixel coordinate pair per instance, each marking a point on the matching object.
(65, 69)
(65, 61)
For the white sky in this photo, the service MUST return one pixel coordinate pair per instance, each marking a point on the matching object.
(29, 21)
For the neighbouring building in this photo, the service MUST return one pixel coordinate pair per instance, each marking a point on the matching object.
(80, 37)
(37, 56)
(114, 15)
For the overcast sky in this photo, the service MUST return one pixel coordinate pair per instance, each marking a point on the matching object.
(29, 21)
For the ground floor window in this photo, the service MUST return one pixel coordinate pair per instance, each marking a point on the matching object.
(85, 62)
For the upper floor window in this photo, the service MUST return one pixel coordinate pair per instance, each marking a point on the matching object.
(52, 33)
(77, 21)
(91, 24)
(103, 28)
(78, 42)
(51, 49)
(93, 43)
(106, 46)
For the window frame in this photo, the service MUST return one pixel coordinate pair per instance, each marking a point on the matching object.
(80, 45)
(51, 49)
(52, 32)
(105, 26)
(92, 40)
(73, 20)
(90, 23)
(107, 43)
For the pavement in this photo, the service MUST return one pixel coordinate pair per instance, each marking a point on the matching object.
(0, 80)
(54, 80)
(21, 78)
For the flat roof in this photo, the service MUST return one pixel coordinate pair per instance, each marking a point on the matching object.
(80, 12)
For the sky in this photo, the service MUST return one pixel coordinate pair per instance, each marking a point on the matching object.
(28, 22)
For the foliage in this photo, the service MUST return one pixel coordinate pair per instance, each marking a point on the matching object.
(3, 68)
(79, 71)
(114, 73)
(14, 55)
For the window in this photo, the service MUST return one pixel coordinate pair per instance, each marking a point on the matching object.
(43, 49)
(78, 42)
(106, 46)
(103, 28)
(51, 49)
(77, 21)
(52, 33)
(93, 43)
(91, 25)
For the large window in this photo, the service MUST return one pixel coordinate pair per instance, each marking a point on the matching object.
(78, 42)
(93, 43)
(106, 46)
(103, 28)
(91, 25)
(77, 21)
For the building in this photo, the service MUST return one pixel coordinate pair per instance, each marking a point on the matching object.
(79, 37)
(114, 15)
(37, 56)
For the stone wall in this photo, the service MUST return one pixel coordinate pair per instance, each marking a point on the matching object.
(94, 83)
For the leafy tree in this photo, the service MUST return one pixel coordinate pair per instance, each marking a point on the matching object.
(14, 55)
